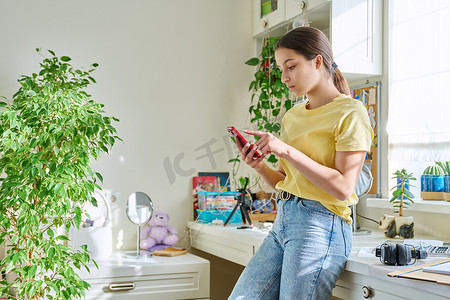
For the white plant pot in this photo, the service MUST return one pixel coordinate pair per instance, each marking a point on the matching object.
(402, 227)
(405, 227)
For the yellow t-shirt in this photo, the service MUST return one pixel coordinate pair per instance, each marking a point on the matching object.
(341, 125)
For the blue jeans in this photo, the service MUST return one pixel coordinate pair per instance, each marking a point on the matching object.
(302, 256)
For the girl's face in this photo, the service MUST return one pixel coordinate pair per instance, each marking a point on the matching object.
(299, 74)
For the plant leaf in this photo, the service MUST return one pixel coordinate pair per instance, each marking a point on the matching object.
(58, 188)
(234, 160)
(99, 176)
(51, 253)
(252, 61)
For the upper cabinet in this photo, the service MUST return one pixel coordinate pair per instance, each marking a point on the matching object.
(356, 36)
(270, 14)
(267, 14)
(296, 7)
(354, 28)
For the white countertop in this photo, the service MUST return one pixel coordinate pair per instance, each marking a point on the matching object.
(230, 236)
(371, 266)
(120, 264)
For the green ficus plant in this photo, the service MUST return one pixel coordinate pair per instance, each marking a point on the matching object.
(49, 132)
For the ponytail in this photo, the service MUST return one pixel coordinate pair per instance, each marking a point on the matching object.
(340, 82)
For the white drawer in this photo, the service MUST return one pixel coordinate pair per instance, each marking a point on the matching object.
(187, 285)
(181, 277)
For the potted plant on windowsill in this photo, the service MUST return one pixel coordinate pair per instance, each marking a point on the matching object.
(432, 183)
(50, 132)
(402, 197)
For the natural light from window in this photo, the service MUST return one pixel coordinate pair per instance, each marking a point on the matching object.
(419, 61)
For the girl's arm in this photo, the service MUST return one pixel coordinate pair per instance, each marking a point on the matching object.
(270, 176)
(339, 181)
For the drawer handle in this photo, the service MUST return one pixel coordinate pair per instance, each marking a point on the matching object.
(367, 292)
(125, 286)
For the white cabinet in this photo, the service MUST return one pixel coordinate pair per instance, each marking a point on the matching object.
(354, 27)
(267, 14)
(229, 243)
(296, 7)
(356, 36)
(280, 12)
(354, 286)
(118, 277)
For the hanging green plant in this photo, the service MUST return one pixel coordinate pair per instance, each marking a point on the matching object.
(49, 133)
(270, 98)
(269, 94)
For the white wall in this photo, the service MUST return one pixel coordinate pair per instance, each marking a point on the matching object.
(172, 71)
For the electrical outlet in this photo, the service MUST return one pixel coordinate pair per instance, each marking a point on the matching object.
(113, 197)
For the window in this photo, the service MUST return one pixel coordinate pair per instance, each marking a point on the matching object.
(419, 81)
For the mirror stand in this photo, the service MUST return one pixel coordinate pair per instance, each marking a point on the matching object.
(140, 254)
(139, 212)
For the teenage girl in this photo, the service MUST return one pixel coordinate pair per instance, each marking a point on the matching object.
(321, 151)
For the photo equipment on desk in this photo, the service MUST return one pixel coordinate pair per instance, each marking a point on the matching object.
(398, 254)
(243, 206)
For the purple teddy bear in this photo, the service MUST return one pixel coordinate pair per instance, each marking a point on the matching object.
(158, 232)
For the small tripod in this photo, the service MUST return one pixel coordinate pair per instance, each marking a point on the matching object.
(243, 206)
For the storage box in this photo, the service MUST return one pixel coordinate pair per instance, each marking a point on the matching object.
(207, 216)
(217, 200)
(270, 217)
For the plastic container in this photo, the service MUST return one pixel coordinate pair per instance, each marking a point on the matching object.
(217, 200)
(207, 216)
(98, 237)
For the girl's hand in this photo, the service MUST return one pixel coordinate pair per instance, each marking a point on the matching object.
(269, 144)
(248, 155)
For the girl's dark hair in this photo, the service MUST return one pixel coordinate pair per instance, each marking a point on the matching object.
(309, 42)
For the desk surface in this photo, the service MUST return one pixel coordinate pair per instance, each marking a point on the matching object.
(238, 245)
(119, 264)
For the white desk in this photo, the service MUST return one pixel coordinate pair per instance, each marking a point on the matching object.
(180, 277)
(239, 245)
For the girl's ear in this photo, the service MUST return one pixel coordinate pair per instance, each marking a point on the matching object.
(318, 61)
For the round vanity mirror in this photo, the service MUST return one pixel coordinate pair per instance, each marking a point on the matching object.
(139, 212)
(139, 208)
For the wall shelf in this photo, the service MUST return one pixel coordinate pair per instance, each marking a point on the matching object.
(432, 206)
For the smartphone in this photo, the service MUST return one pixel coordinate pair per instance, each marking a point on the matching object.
(234, 133)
